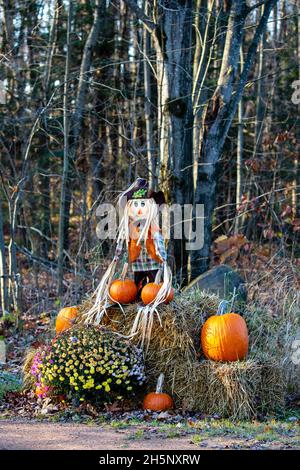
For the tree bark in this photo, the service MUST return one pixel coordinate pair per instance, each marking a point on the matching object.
(239, 155)
(152, 176)
(64, 207)
(3, 272)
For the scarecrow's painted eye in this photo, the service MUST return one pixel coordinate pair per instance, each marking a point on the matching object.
(143, 203)
(136, 204)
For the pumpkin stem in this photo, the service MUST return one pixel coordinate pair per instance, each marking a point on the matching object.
(223, 306)
(124, 271)
(160, 383)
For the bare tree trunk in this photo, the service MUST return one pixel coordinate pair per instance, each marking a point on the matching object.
(63, 217)
(3, 272)
(203, 12)
(148, 119)
(260, 101)
(240, 148)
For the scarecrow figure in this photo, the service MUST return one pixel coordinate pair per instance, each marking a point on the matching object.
(144, 252)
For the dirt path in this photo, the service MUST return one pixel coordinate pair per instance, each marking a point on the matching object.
(33, 435)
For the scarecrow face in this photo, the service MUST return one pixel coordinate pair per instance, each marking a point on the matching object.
(138, 209)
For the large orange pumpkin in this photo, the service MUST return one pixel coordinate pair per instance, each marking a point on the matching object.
(158, 401)
(123, 291)
(65, 319)
(225, 337)
(150, 291)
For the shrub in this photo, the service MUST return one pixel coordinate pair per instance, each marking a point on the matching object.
(90, 362)
(9, 383)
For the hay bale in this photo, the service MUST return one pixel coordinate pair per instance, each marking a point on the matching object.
(239, 390)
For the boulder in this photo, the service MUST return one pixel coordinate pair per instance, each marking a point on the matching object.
(221, 280)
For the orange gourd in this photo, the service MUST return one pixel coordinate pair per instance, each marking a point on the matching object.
(65, 319)
(158, 401)
(225, 337)
(123, 291)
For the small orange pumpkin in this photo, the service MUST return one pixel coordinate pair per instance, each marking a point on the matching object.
(65, 319)
(225, 337)
(158, 401)
(123, 291)
(150, 291)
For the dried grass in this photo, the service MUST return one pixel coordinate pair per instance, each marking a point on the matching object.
(28, 379)
(272, 333)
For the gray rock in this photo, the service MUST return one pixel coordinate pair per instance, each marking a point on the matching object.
(221, 280)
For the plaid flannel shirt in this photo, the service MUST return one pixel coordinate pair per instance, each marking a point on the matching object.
(144, 262)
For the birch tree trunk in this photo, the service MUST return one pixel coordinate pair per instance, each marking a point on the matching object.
(239, 159)
(260, 101)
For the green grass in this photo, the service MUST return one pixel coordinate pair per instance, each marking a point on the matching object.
(139, 434)
(119, 424)
(270, 432)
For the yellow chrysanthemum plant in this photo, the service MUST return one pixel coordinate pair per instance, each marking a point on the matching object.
(92, 363)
